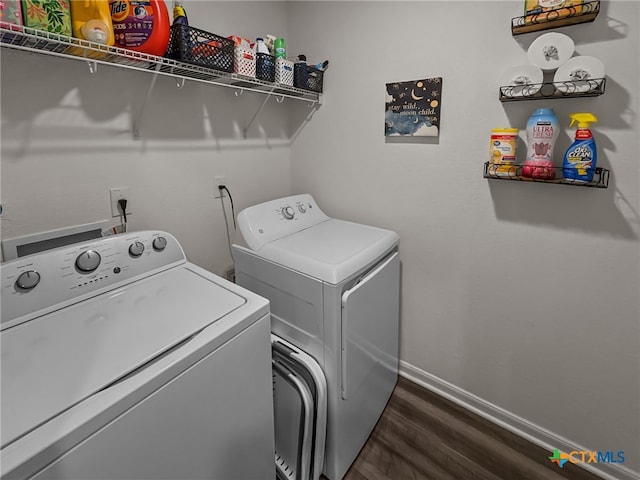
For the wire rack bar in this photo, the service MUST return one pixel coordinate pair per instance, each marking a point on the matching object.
(23, 38)
(600, 177)
(561, 17)
(568, 89)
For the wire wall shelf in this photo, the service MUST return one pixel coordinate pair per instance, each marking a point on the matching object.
(27, 39)
(568, 89)
(561, 17)
(600, 176)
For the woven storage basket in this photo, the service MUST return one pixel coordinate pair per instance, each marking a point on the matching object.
(265, 67)
(284, 71)
(307, 77)
(244, 61)
(191, 45)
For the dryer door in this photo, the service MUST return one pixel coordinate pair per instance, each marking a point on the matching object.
(370, 312)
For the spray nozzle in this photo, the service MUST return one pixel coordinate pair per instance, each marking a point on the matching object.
(583, 119)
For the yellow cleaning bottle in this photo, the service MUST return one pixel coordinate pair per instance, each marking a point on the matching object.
(91, 20)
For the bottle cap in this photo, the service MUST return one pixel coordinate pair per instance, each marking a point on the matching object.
(95, 31)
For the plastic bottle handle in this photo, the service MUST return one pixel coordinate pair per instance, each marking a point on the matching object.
(95, 31)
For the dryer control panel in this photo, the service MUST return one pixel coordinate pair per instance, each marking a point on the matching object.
(269, 221)
(54, 278)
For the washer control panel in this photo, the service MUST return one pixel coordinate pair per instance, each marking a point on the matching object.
(36, 282)
(269, 221)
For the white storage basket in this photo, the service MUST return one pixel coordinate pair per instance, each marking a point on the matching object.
(284, 71)
(244, 61)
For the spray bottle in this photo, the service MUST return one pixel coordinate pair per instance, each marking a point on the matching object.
(179, 14)
(579, 162)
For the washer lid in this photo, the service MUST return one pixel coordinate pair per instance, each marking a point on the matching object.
(56, 361)
(332, 250)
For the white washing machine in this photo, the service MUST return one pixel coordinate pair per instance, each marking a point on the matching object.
(122, 360)
(334, 290)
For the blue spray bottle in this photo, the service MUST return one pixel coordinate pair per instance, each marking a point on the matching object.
(580, 159)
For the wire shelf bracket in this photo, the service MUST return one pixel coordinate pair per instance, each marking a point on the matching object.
(19, 37)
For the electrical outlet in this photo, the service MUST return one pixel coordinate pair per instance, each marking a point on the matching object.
(217, 181)
(117, 194)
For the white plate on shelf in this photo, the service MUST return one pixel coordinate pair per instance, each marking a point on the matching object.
(551, 50)
(521, 81)
(579, 73)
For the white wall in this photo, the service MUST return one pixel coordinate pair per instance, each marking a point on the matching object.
(67, 138)
(524, 295)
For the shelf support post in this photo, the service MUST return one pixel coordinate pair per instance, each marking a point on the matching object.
(93, 66)
(245, 130)
(138, 119)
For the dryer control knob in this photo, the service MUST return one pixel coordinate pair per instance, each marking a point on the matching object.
(88, 261)
(159, 244)
(302, 208)
(288, 213)
(28, 280)
(136, 249)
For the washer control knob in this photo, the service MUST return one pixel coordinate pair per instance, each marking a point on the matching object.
(159, 244)
(302, 208)
(288, 213)
(88, 261)
(28, 280)
(136, 249)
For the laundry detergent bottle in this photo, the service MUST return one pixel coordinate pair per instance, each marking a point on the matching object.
(580, 159)
(542, 132)
(91, 20)
(141, 25)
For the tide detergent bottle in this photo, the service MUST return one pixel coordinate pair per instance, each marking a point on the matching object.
(580, 159)
(91, 20)
(141, 25)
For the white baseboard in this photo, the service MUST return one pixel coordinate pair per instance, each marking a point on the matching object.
(515, 424)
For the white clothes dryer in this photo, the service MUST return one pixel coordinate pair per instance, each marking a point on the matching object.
(121, 360)
(334, 290)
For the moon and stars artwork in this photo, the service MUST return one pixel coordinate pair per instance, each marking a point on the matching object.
(413, 108)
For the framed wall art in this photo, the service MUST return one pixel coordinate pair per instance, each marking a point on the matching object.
(412, 108)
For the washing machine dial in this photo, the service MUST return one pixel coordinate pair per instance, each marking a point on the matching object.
(288, 213)
(88, 261)
(28, 280)
(302, 208)
(159, 244)
(136, 249)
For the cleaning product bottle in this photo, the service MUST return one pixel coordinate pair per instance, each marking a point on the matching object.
(542, 131)
(91, 20)
(580, 159)
(179, 14)
(141, 25)
(279, 49)
(261, 47)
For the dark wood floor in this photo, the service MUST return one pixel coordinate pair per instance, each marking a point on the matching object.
(422, 436)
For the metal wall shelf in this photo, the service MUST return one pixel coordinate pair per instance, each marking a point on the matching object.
(561, 17)
(569, 89)
(37, 41)
(600, 177)
(22, 38)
